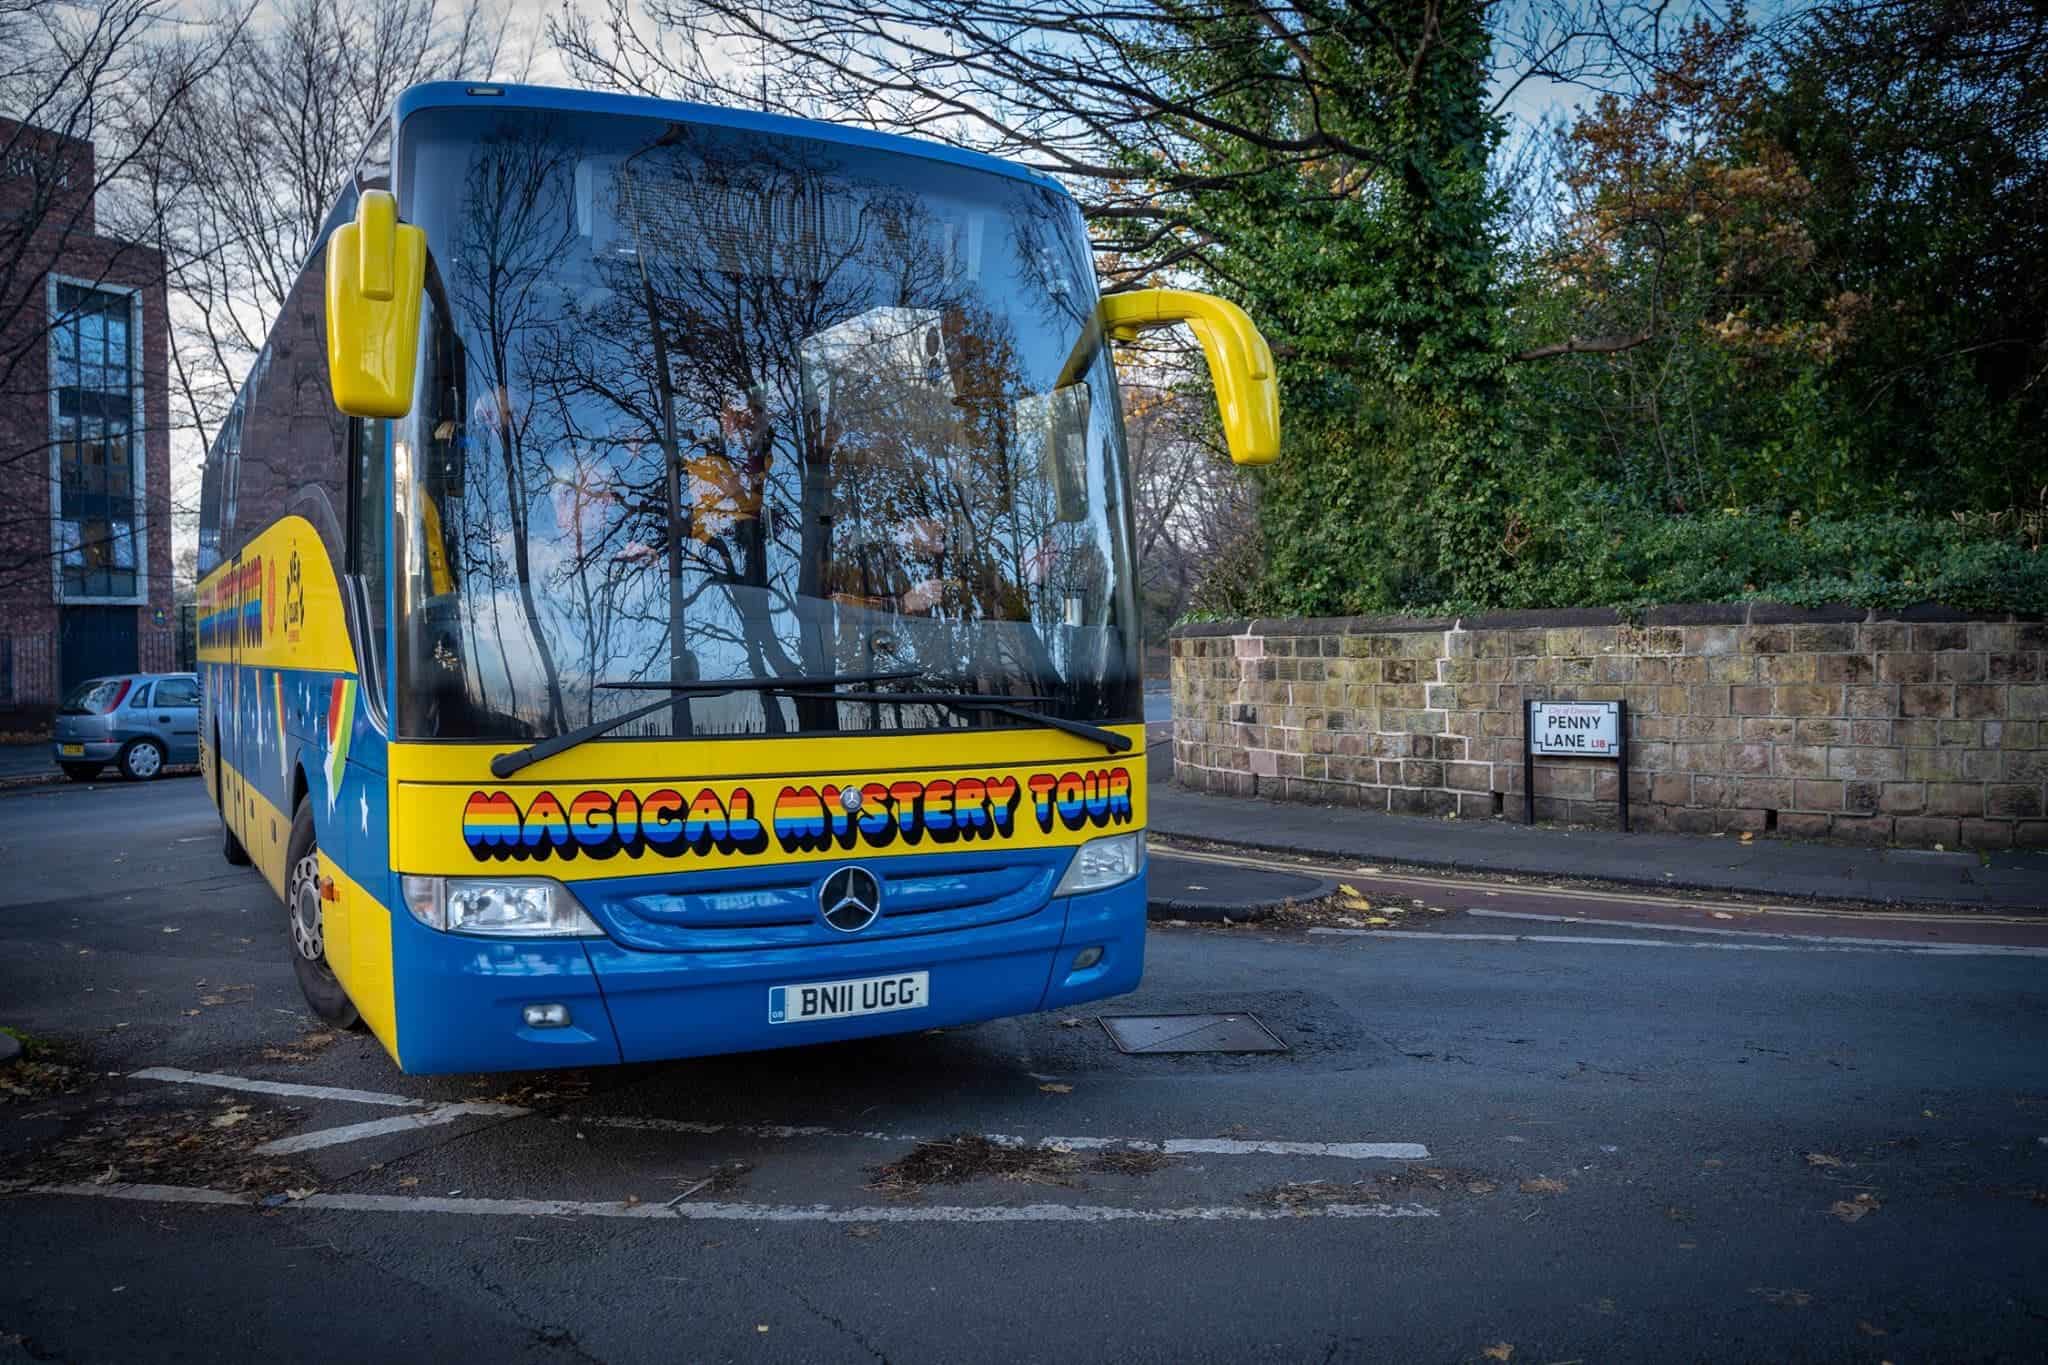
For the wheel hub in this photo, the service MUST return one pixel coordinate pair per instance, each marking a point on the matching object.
(307, 936)
(144, 760)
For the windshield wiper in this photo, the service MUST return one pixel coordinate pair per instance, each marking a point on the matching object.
(506, 764)
(998, 705)
(713, 686)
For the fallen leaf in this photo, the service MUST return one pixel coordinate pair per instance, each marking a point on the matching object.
(631, 1200)
(862, 1230)
(1783, 1298)
(213, 1000)
(406, 1182)
(1349, 890)
(106, 1177)
(1852, 1210)
(1500, 1350)
(1722, 914)
(1543, 1184)
(1057, 1088)
(1747, 836)
(760, 1327)
(1823, 1159)
(1071, 1023)
(1868, 1330)
(1480, 1186)
(169, 930)
(1379, 921)
(303, 1192)
(231, 1117)
(190, 1013)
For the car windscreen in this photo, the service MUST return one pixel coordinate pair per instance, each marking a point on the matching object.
(95, 697)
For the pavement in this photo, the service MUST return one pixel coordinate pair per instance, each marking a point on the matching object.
(28, 760)
(1499, 1139)
(1203, 891)
(1760, 867)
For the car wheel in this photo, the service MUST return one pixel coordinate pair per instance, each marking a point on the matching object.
(304, 904)
(142, 761)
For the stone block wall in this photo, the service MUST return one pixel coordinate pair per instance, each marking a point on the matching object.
(1919, 727)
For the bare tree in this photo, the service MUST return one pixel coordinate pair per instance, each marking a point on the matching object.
(86, 89)
(254, 157)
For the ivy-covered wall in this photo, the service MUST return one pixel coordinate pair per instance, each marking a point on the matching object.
(1920, 727)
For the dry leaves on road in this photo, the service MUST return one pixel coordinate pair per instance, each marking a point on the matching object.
(304, 1050)
(1500, 1350)
(1824, 1159)
(1543, 1184)
(1854, 1210)
(1057, 1088)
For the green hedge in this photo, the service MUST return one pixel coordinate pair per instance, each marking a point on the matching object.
(1630, 559)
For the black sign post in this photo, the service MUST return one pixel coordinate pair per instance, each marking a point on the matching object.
(1577, 722)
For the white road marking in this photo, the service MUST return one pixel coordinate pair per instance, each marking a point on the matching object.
(397, 1123)
(1831, 939)
(305, 1092)
(1861, 946)
(433, 1115)
(1355, 1151)
(747, 1213)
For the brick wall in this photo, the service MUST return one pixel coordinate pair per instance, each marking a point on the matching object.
(60, 239)
(1919, 727)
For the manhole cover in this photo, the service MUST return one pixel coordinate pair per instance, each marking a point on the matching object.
(1190, 1033)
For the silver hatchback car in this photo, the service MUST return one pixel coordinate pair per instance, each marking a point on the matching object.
(140, 722)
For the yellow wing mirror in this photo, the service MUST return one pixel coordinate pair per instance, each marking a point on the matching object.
(376, 268)
(1240, 362)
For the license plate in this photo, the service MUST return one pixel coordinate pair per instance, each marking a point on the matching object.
(813, 1001)
(71, 748)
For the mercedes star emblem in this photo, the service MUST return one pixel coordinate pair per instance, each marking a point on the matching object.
(850, 899)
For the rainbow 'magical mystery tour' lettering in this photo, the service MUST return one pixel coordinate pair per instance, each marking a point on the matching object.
(802, 819)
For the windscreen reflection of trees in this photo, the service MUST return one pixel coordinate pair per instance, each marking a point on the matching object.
(769, 428)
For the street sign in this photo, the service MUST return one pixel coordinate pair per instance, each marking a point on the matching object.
(1584, 729)
(1573, 729)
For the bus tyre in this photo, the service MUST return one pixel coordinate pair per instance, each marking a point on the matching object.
(303, 903)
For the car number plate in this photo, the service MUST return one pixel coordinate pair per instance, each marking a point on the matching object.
(71, 748)
(812, 1001)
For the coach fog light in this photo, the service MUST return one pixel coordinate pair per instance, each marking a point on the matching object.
(1102, 863)
(508, 907)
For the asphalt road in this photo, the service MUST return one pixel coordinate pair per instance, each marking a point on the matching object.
(1640, 1144)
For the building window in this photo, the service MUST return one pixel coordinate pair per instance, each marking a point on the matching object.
(94, 373)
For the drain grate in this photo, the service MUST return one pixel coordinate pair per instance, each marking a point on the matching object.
(1134, 1033)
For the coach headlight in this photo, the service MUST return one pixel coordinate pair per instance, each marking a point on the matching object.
(510, 907)
(1102, 863)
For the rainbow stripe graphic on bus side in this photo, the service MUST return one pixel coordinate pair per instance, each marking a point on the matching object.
(341, 719)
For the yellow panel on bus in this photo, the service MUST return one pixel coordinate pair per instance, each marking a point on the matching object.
(580, 829)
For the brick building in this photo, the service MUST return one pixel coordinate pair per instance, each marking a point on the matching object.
(85, 525)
